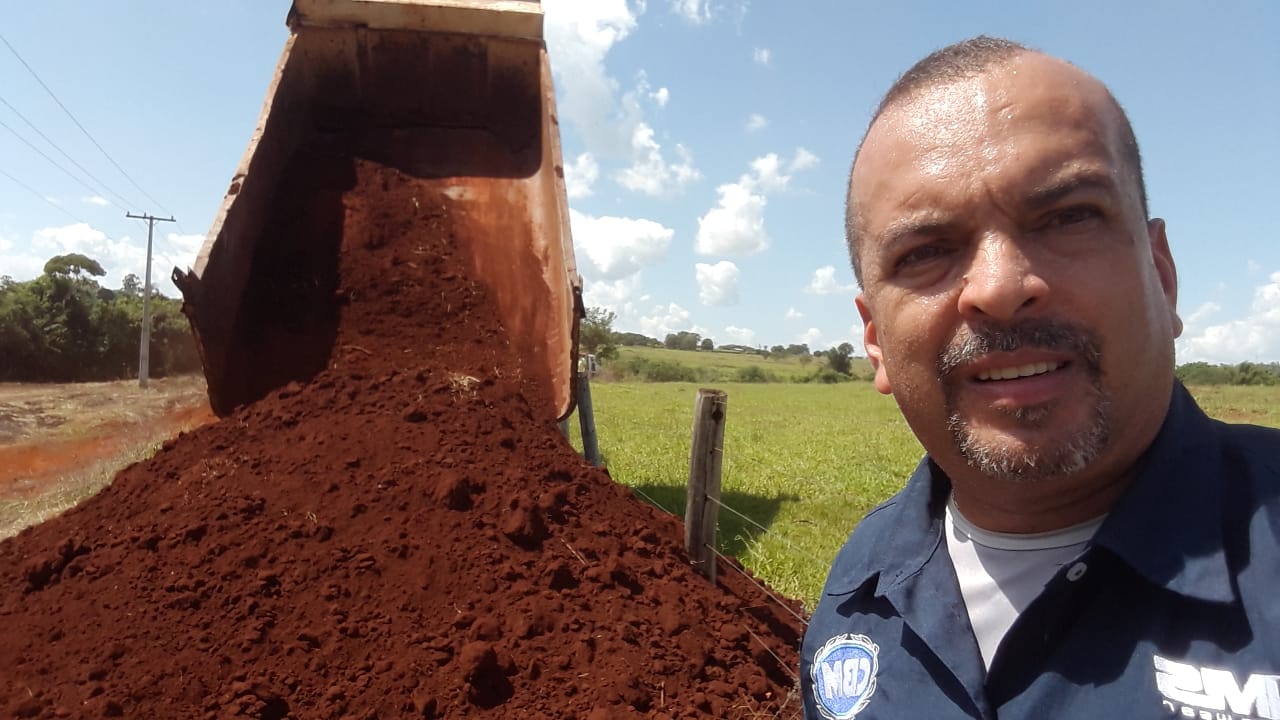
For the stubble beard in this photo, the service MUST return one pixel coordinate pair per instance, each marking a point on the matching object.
(1006, 459)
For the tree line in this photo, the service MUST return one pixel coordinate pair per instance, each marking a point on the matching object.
(64, 327)
(1245, 373)
(596, 336)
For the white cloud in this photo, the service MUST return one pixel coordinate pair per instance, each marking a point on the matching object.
(735, 226)
(617, 247)
(185, 243)
(811, 337)
(1198, 320)
(579, 34)
(118, 257)
(761, 56)
(1256, 337)
(857, 333)
(21, 266)
(650, 173)
(1253, 267)
(664, 320)
(580, 175)
(824, 283)
(620, 296)
(175, 251)
(757, 122)
(740, 336)
(803, 160)
(95, 200)
(794, 314)
(697, 12)
(767, 173)
(718, 284)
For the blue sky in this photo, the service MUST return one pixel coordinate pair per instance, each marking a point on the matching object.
(706, 142)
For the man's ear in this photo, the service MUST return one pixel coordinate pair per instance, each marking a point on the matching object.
(871, 341)
(1165, 269)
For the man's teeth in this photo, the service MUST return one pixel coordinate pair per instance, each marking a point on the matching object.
(1019, 371)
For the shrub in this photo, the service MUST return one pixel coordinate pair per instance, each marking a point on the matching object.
(828, 376)
(755, 374)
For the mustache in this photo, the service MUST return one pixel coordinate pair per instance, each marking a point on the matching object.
(973, 342)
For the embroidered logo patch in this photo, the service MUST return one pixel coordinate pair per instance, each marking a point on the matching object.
(1204, 692)
(844, 675)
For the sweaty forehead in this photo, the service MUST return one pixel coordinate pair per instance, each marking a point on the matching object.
(942, 132)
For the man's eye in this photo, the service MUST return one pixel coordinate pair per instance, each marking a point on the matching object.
(917, 255)
(1074, 216)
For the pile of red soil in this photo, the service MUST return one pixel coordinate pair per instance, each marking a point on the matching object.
(395, 537)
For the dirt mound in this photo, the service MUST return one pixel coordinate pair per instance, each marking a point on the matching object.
(396, 537)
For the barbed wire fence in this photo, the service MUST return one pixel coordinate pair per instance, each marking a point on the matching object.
(703, 503)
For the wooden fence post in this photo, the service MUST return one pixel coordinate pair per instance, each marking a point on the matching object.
(702, 504)
(587, 421)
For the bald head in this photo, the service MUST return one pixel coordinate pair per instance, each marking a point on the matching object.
(951, 66)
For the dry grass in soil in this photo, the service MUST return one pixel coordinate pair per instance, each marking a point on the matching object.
(62, 443)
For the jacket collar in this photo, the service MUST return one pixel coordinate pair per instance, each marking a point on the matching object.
(1167, 526)
(900, 536)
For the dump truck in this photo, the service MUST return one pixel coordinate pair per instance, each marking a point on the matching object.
(457, 93)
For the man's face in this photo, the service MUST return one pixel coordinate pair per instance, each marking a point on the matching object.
(1017, 303)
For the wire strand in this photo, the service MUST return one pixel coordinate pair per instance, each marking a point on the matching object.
(52, 162)
(760, 585)
(108, 188)
(650, 500)
(37, 193)
(71, 115)
(721, 503)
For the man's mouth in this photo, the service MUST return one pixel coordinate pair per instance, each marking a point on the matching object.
(1014, 372)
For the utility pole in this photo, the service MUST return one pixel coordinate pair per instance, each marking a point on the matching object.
(144, 352)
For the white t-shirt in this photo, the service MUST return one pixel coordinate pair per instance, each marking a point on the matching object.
(1001, 573)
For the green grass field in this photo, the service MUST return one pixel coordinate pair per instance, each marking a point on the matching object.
(715, 366)
(803, 461)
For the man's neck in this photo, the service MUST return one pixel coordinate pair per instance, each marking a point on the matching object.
(1012, 506)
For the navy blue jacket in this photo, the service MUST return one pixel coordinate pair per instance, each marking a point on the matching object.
(1172, 611)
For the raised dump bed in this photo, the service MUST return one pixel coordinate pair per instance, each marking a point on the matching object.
(455, 93)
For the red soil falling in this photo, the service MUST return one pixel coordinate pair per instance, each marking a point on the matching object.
(396, 537)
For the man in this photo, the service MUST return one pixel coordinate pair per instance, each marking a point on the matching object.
(1080, 541)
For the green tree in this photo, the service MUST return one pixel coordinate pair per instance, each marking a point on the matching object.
(683, 340)
(595, 333)
(629, 339)
(73, 264)
(707, 344)
(840, 358)
(131, 286)
(63, 327)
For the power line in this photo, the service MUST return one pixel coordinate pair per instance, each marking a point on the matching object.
(37, 193)
(49, 140)
(53, 162)
(105, 154)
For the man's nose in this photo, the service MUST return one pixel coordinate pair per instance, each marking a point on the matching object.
(1002, 283)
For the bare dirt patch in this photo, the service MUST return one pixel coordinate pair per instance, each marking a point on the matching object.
(61, 443)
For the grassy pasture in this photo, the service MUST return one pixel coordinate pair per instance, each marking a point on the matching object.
(804, 461)
(716, 366)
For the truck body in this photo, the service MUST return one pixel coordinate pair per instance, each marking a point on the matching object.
(457, 93)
